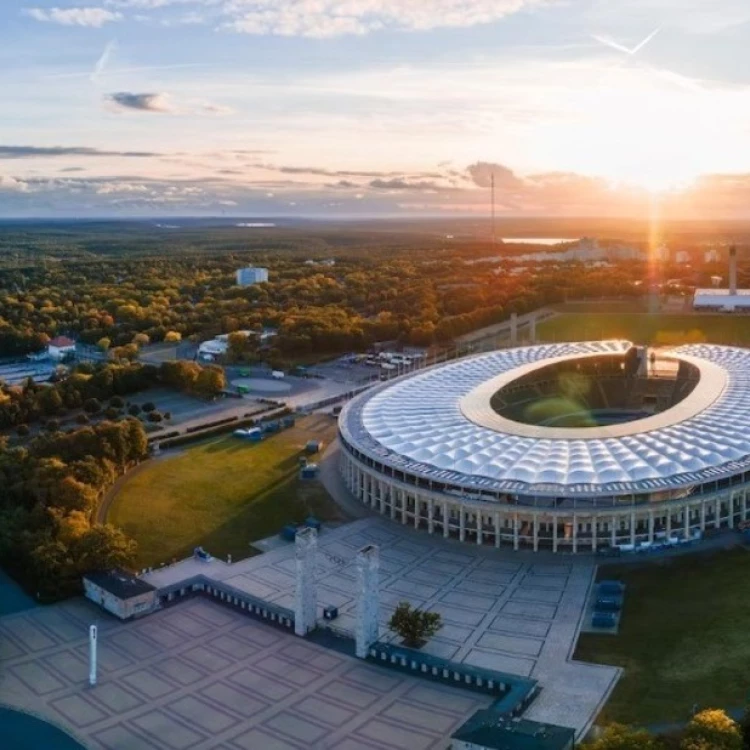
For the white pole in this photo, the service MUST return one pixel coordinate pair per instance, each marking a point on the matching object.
(92, 655)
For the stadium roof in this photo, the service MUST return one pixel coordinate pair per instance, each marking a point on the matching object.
(420, 424)
(721, 298)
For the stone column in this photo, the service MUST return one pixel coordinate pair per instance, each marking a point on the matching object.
(367, 630)
(480, 528)
(717, 513)
(461, 523)
(497, 530)
(632, 528)
(703, 516)
(613, 530)
(446, 521)
(669, 523)
(532, 329)
(431, 516)
(417, 511)
(744, 505)
(514, 329)
(651, 526)
(730, 517)
(384, 489)
(404, 504)
(515, 531)
(575, 534)
(594, 530)
(394, 496)
(554, 533)
(686, 522)
(306, 597)
(536, 532)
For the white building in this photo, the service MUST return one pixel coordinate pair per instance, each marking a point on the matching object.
(218, 347)
(250, 276)
(59, 347)
(120, 593)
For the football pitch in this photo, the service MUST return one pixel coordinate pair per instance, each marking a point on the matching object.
(642, 328)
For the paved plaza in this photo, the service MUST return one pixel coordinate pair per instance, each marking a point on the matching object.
(514, 612)
(205, 677)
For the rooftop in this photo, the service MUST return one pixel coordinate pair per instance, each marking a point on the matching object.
(120, 583)
(489, 729)
(61, 341)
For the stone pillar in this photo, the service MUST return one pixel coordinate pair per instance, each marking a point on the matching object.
(632, 528)
(404, 504)
(431, 516)
(480, 528)
(497, 530)
(575, 534)
(394, 496)
(417, 511)
(514, 329)
(730, 517)
(651, 526)
(554, 533)
(306, 597)
(717, 513)
(515, 531)
(613, 530)
(669, 523)
(536, 532)
(686, 521)
(384, 489)
(446, 521)
(532, 329)
(744, 505)
(367, 628)
(461, 523)
(594, 530)
(703, 516)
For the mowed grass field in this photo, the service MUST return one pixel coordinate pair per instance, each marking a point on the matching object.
(222, 494)
(642, 328)
(683, 638)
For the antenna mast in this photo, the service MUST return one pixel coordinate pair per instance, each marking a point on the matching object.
(492, 183)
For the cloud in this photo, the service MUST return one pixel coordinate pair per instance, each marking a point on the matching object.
(481, 175)
(142, 102)
(162, 104)
(403, 185)
(94, 17)
(32, 152)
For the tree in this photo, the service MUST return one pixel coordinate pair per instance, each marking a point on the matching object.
(172, 337)
(117, 402)
(211, 382)
(621, 737)
(712, 729)
(134, 410)
(414, 625)
(155, 416)
(141, 339)
(22, 430)
(104, 343)
(149, 406)
(92, 405)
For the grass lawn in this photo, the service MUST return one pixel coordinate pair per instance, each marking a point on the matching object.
(683, 638)
(647, 329)
(222, 494)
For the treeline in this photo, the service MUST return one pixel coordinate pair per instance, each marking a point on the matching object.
(413, 294)
(89, 384)
(49, 492)
(710, 729)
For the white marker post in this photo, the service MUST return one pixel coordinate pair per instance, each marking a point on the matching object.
(92, 655)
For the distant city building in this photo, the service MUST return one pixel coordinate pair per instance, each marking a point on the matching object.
(682, 256)
(586, 250)
(727, 300)
(59, 347)
(329, 262)
(250, 276)
(711, 256)
(120, 593)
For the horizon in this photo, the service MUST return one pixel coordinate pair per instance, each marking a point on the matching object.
(351, 111)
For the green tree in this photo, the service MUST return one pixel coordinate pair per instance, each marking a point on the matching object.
(415, 626)
(210, 382)
(712, 729)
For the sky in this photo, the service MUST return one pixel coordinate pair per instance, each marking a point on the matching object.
(350, 108)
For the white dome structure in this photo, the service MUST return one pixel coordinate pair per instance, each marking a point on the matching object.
(446, 449)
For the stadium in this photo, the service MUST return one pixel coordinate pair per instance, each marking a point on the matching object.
(578, 447)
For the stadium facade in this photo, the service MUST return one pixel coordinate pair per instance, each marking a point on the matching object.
(564, 447)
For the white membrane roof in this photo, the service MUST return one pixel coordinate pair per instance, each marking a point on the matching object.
(438, 424)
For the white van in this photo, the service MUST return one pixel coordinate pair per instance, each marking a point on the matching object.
(277, 375)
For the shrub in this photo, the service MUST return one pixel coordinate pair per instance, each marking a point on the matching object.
(82, 419)
(134, 410)
(167, 415)
(111, 413)
(155, 416)
(149, 406)
(22, 430)
(116, 402)
(414, 625)
(53, 425)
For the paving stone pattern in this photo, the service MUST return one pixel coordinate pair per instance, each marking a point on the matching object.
(510, 611)
(200, 676)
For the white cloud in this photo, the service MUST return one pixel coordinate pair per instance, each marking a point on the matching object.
(95, 17)
(328, 18)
